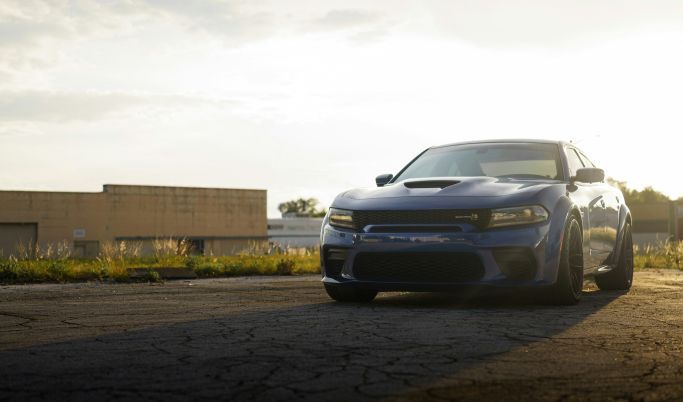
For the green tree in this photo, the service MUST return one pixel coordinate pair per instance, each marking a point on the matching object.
(644, 196)
(302, 207)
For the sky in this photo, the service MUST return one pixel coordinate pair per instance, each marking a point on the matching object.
(311, 98)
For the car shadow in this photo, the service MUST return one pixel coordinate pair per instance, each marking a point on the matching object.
(400, 346)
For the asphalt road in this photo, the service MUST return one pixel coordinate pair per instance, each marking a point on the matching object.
(282, 339)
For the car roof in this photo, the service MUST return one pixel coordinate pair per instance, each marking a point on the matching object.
(505, 141)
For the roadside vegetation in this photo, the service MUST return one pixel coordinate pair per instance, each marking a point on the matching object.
(56, 264)
(662, 255)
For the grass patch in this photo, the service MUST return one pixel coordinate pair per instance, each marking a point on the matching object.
(668, 255)
(114, 259)
(75, 270)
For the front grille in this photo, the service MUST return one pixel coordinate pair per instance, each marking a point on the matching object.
(418, 267)
(478, 217)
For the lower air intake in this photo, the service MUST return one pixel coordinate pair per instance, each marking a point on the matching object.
(418, 267)
(516, 262)
(334, 261)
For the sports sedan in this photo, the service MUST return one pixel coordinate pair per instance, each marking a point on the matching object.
(524, 214)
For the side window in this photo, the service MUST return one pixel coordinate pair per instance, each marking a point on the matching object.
(586, 161)
(573, 161)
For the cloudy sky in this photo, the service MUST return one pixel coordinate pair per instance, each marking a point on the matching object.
(309, 98)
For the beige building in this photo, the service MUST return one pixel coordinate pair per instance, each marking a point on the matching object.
(218, 221)
(654, 223)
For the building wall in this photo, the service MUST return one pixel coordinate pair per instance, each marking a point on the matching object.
(652, 223)
(222, 218)
(295, 232)
(12, 234)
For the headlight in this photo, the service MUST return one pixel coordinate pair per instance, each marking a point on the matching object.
(517, 216)
(341, 218)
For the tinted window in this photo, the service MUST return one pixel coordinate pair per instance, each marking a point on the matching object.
(587, 162)
(524, 161)
(574, 161)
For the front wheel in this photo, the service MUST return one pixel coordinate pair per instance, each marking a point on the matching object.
(621, 277)
(350, 294)
(567, 290)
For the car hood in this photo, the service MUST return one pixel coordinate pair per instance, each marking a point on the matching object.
(451, 192)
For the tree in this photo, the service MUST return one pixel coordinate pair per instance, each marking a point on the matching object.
(301, 207)
(644, 196)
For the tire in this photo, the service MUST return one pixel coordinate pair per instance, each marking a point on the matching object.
(350, 294)
(568, 287)
(621, 277)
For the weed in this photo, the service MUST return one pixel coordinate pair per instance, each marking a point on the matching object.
(152, 276)
(285, 267)
(660, 255)
(57, 270)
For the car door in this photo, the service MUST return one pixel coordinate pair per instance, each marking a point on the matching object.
(589, 198)
(606, 238)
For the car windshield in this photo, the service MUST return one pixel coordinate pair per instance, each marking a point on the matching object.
(506, 160)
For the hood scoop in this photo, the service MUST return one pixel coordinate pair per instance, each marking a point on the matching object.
(430, 183)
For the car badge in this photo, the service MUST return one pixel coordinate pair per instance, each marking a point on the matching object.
(472, 217)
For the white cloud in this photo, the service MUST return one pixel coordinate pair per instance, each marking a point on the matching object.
(33, 31)
(345, 19)
(59, 107)
(550, 24)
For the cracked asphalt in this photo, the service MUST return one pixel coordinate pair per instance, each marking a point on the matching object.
(270, 339)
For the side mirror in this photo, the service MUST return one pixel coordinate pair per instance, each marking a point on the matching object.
(383, 179)
(589, 175)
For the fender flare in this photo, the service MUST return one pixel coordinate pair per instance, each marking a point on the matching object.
(624, 217)
(564, 209)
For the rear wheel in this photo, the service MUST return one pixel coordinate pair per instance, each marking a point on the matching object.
(567, 290)
(621, 277)
(350, 294)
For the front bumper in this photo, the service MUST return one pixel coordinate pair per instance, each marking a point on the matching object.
(340, 251)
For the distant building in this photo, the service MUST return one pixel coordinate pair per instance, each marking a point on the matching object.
(218, 221)
(295, 232)
(655, 223)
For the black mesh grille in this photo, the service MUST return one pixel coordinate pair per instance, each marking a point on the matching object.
(516, 263)
(334, 261)
(418, 267)
(420, 217)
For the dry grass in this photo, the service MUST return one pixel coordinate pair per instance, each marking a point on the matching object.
(661, 255)
(55, 264)
(52, 251)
